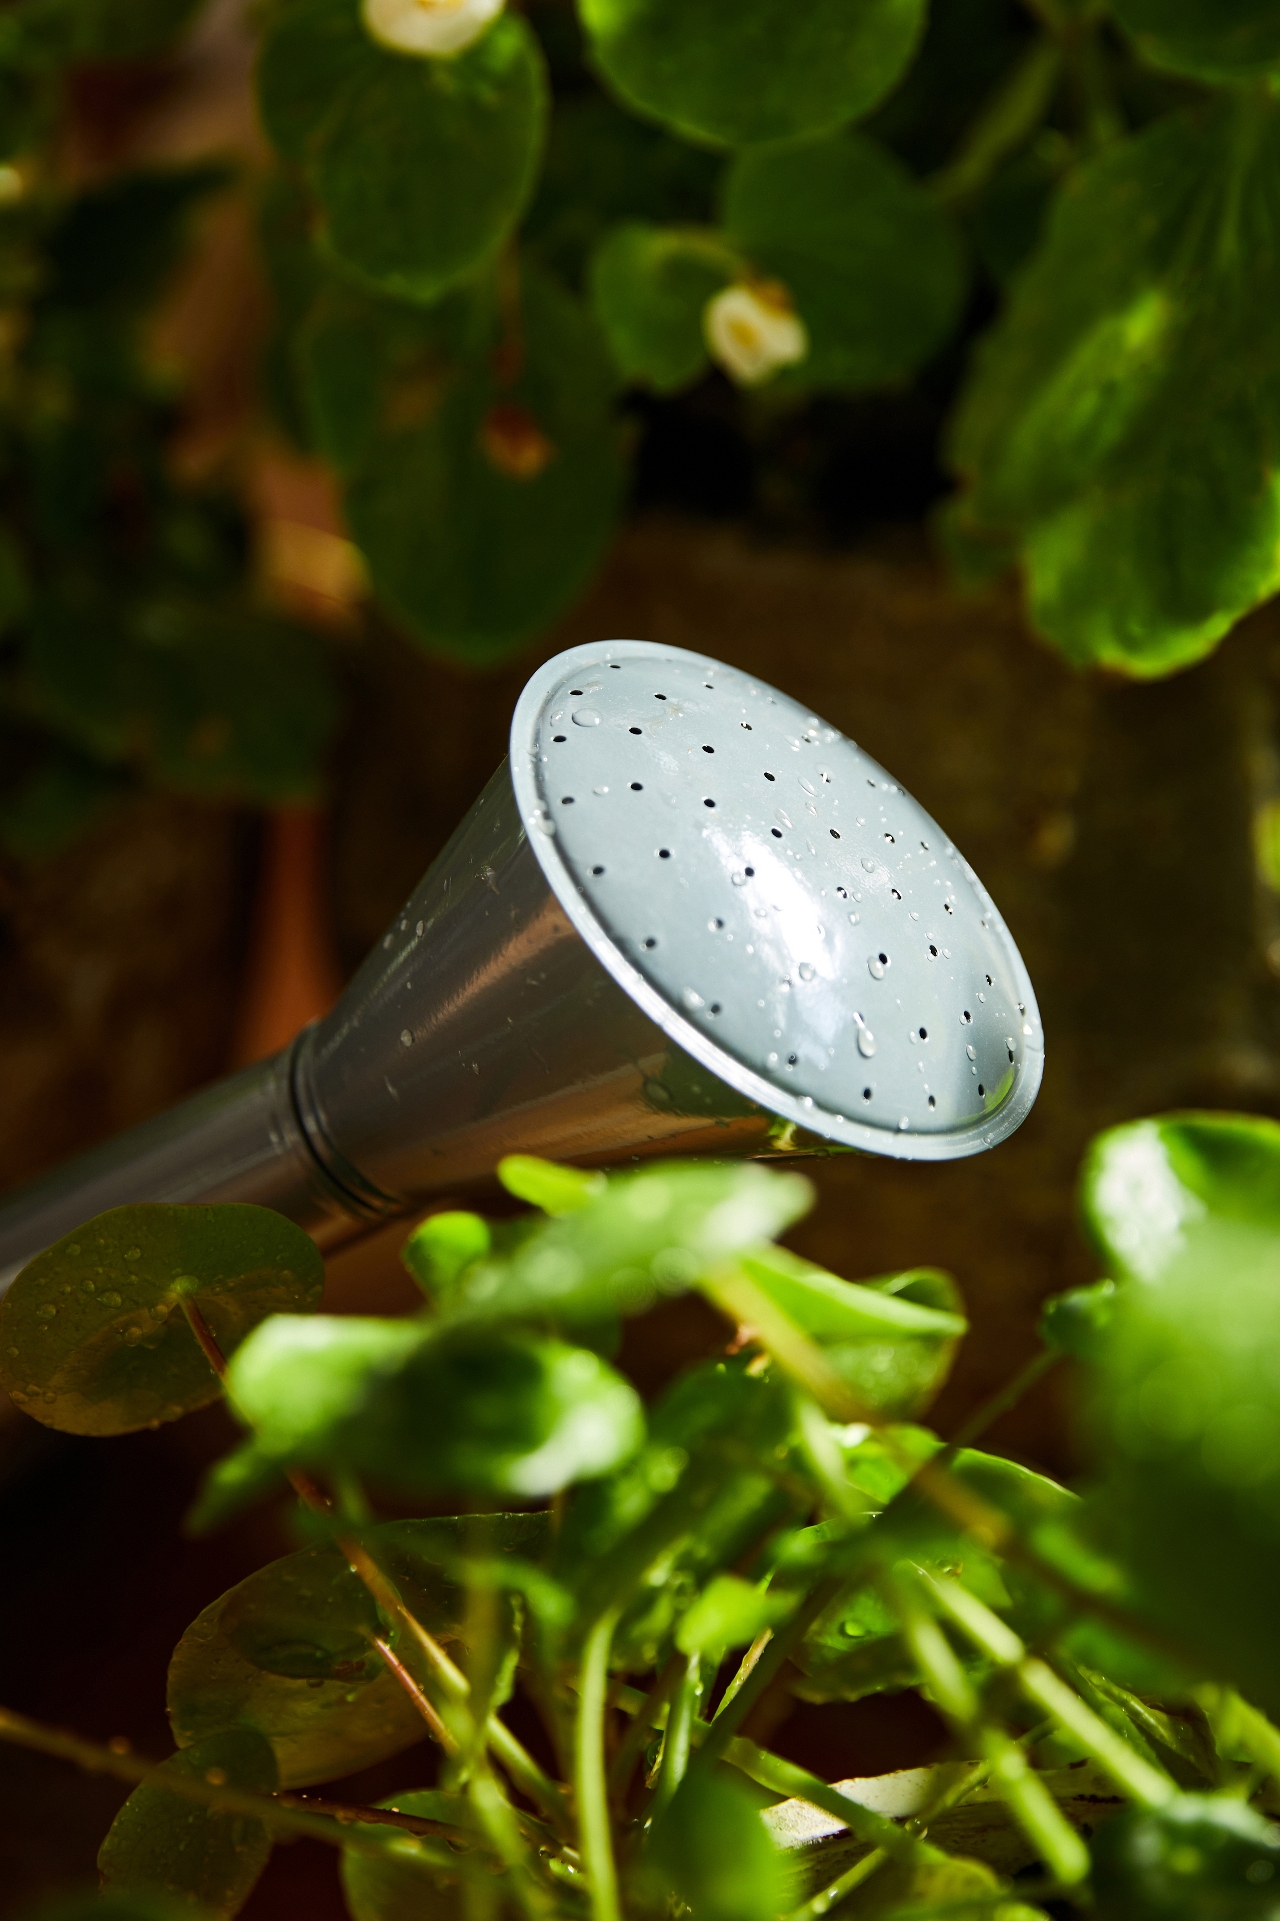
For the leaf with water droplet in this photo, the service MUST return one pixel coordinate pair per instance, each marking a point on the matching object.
(107, 1363)
(164, 1842)
(426, 1409)
(287, 1651)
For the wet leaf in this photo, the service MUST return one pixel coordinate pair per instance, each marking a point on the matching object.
(650, 287)
(1155, 1191)
(93, 1339)
(711, 1851)
(872, 265)
(418, 1880)
(203, 1858)
(1121, 419)
(556, 1190)
(647, 1235)
(1202, 1855)
(1185, 1420)
(1219, 40)
(423, 1410)
(756, 71)
(287, 1651)
(421, 166)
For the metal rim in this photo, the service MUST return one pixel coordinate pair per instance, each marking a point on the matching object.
(969, 1138)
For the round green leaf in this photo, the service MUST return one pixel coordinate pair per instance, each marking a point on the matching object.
(1120, 422)
(481, 522)
(874, 267)
(1202, 1856)
(93, 1339)
(167, 1844)
(649, 288)
(427, 1411)
(287, 1651)
(421, 166)
(1219, 40)
(1185, 1413)
(1152, 1190)
(413, 1882)
(741, 71)
(645, 1235)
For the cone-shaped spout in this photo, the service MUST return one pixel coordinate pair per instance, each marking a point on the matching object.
(685, 916)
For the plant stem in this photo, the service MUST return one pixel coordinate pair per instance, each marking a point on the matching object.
(594, 1836)
(826, 1898)
(518, 1762)
(1003, 1399)
(1147, 1785)
(646, 1716)
(675, 1746)
(735, 1712)
(276, 1813)
(1008, 119)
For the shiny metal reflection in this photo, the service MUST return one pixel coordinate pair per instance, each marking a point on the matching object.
(685, 916)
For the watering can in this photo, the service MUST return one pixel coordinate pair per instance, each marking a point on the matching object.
(685, 916)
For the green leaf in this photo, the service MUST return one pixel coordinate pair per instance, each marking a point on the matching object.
(115, 1907)
(421, 166)
(484, 505)
(444, 1247)
(220, 701)
(754, 71)
(1185, 1417)
(648, 1234)
(1219, 40)
(650, 287)
(872, 264)
(603, 166)
(555, 1189)
(416, 1880)
(1122, 418)
(424, 1411)
(287, 1651)
(893, 1351)
(68, 30)
(1200, 1855)
(711, 1851)
(205, 1859)
(93, 1339)
(929, 1883)
(1153, 1191)
(727, 1614)
(1076, 1322)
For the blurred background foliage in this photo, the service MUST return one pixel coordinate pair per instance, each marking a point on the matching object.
(1012, 265)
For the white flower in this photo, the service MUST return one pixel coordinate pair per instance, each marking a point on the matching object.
(434, 27)
(752, 330)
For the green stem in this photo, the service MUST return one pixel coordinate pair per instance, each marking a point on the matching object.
(595, 1839)
(826, 1898)
(1147, 1785)
(1245, 1725)
(280, 1816)
(1008, 120)
(732, 1715)
(647, 1714)
(675, 1746)
(1003, 1399)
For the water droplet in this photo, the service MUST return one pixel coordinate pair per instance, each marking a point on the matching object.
(692, 999)
(866, 1043)
(1009, 1042)
(132, 1336)
(903, 1125)
(160, 1312)
(877, 966)
(771, 1060)
(585, 717)
(868, 864)
(807, 970)
(109, 1300)
(419, 928)
(87, 1287)
(739, 880)
(47, 1312)
(972, 1052)
(544, 823)
(599, 790)
(49, 1399)
(74, 1248)
(854, 919)
(406, 1038)
(133, 1253)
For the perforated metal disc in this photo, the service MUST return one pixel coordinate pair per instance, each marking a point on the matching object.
(775, 901)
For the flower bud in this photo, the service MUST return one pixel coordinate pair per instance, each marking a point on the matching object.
(438, 28)
(752, 329)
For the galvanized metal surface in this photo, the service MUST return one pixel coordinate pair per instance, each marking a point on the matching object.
(686, 916)
(777, 903)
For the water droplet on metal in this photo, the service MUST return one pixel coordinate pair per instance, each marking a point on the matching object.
(972, 1052)
(406, 1038)
(807, 970)
(586, 717)
(866, 1043)
(868, 864)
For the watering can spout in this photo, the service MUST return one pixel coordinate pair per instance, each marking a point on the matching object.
(685, 916)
